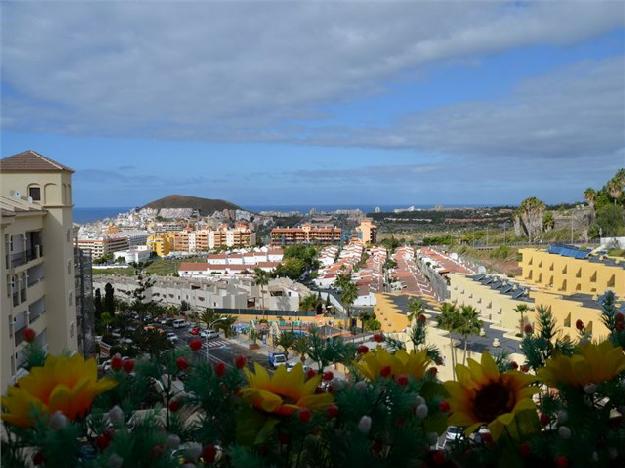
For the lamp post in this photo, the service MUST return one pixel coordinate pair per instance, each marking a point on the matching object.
(210, 325)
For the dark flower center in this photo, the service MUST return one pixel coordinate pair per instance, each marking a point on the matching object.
(492, 401)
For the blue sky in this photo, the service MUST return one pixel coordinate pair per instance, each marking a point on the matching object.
(322, 103)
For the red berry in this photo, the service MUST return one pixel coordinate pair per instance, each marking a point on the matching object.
(562, 461)
(525, 450)
(385, 371)
(174, 405)
(544, 419)
(444, 406)
(432, 371)
(220, 369)
(528, 328)
(29, 335)
(402, 380)
(332, 411)
(363, 349)
(208, 453)
(579, 324)
(378, 337)
(421, 318)
(38, 458)
(310, 373)
(620, 317)
(304, 415)
(438, 457)
(514, 365)
(102, 441)
(525, 368)
(327, 376)
(182, 363)
(195, 344)
(240, 361)
(129, 365)
(117, 362)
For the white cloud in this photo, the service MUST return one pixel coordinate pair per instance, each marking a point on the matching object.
(243, 71)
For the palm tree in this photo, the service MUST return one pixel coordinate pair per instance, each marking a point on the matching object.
(531, 213)
(449, 320)
(590, 196)
(261, 278)
(300, 346)
(470, 324)
(308, 303)
(349, 294)
(285, 340)
(415, 308)
(522, 309)
(615, 188)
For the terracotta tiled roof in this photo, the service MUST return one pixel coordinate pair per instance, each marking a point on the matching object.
(31, 161)
(190, 266)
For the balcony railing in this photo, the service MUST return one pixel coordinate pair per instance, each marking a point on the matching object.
(19, 336)
(33, 316)
(20, 258)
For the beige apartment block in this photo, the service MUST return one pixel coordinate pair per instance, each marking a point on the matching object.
(568, 275)
(37, 284)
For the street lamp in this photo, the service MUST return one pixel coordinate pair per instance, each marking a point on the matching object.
(210, 327)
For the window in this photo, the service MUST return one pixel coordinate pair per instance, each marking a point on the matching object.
(34, 193)
(71, 299)
(69, 236)
(69, 267)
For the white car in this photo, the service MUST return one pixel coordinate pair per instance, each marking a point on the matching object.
(172, 337)
(453, 433)
(210, 334)
(179, 323)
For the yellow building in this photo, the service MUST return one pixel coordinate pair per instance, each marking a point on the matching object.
(496, 298)
(161, 243)
(493, 296)
(366, 231)
(567, 270)
(37, 284)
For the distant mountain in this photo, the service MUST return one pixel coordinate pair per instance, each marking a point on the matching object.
(206, 206)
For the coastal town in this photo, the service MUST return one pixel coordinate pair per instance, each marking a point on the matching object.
(312, 234)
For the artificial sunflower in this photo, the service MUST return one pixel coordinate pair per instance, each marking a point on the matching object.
(285, 391)
(65, 383)
(401, 362)
(594, 364)
(484, 396)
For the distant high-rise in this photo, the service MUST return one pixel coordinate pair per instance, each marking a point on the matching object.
(37, 261)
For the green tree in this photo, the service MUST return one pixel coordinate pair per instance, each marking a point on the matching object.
(522, 309)
(106, 319)
(415, 308)
(300, 346)
(470, 324)
(97, 302)
(349, 294)
(109, 298)
(611, 220)
(308, 303)
(449, 319)
(285, 340)
(261, 278)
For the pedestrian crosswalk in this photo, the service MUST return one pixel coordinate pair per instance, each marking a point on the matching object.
(216, 343)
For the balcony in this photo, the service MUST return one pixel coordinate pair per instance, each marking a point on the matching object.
(36, 310)
(17, 259)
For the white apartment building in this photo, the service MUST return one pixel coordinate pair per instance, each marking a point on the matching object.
(37, 286)
(100, 246)
(136, 254)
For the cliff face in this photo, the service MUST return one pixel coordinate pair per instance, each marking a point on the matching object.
(206, 206)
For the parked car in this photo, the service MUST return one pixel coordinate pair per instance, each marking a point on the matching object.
(496, 343)
(277, 359)
(194, 330)
(172, 337)
(209, 334)
(179, 323)
(453, 433)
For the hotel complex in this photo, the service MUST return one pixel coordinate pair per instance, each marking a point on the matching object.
(306, 234)
(38, 287)
(568, 280)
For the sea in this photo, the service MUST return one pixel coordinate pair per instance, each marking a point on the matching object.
(84, 215)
